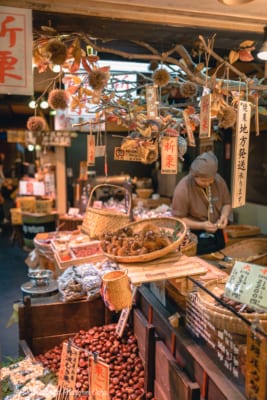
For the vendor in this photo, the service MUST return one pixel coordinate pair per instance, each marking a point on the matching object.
(203, 201)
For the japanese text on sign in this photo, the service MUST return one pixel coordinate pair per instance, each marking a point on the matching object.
(241, 154)
(248, 284)
(90, 150)
(16, 51)
(169, 155)
(256, 386)
(67, 372)
(99, 379)
(127, 154)
(205, 120)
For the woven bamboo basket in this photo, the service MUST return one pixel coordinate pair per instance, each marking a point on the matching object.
(169, 225)
(98, 220)
(248, 250)
(116, 290)
(223, 318)
(190, 249)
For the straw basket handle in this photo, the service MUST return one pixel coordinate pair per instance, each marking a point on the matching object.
(127, 195)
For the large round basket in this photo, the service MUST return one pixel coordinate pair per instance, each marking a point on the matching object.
(223, 318)
(173, 227)
(99, 220)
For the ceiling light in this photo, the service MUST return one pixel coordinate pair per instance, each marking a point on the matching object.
(44, 104)
(32, 104)
(56, 68)
(262, 53)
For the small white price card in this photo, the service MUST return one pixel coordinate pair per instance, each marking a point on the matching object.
(248, 284)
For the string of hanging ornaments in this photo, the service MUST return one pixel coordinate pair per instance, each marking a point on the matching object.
(169, 70)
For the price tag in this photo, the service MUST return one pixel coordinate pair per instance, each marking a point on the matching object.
(248, 284)
(124, 318)
(67, 372)
(99, 379)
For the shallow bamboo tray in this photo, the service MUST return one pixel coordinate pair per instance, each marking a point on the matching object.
(248, 250)
(168, 224)
(236, 231)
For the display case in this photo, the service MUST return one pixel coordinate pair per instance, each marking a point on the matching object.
(216, 359)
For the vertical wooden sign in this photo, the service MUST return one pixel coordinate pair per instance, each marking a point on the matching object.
(151, 102)
(205, 117)
(189, 131)
(240, 164)
(67, 372)
(169, 155)
(256, 367)
(99, 379)
(90, 149)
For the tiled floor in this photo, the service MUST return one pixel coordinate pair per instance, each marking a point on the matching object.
(13, 272)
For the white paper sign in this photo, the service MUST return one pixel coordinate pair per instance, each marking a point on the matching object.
(169, 155)
(241, 154)
(16, 51)
(248, 284)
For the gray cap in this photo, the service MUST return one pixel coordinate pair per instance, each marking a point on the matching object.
(206, 165)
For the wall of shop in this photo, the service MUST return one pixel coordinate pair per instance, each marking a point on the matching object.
(252, 214)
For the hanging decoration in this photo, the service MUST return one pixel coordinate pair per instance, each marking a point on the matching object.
(240, 166)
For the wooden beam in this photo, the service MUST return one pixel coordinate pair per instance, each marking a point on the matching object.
(152, 12)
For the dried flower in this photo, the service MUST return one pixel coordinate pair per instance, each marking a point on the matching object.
(161, 77)
(153, 65)
(227, 117)
(188, 89)
(58, 99)
(98, 79)
(56, 51)
(36, 124)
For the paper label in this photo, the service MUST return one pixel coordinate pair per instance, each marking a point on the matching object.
(248, 284)
(169, 155)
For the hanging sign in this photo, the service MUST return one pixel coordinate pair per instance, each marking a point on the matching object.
(256, 367)
(205, 117)
(17, 136)
(99, 379)
(16, 51)
(189, 131)
(55, 138)
(169, 155)
(240, 166)
(151, 102)
(90, 150)
(67, 372)
(248, 284)
(127, 154)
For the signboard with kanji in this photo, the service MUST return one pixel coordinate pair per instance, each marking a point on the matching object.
(189, 130)
(169, 155)
(151, 101)
(205, 117)
(90, 150)
(67, 372)
(240, 164)
(127, 154)
(256, 366)
(248, 284)
(99, 379)
(16, 51)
